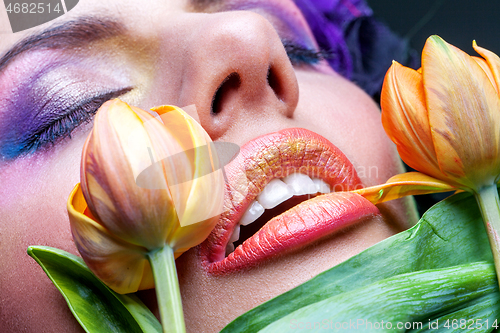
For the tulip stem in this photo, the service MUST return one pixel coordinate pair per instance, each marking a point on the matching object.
(167, 289)
(487, 198)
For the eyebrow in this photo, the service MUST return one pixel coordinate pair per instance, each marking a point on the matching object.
(200, 5)
(71, 34)
(203, 2)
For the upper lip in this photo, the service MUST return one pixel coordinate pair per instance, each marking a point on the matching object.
(270, 156)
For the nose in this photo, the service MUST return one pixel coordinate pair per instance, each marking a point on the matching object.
(235, 68)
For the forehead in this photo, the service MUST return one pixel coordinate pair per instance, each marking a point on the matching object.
(137, 16)
(128, 12)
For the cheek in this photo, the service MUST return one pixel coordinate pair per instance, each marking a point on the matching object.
(341, 112)
(36, 189)
(33, 212)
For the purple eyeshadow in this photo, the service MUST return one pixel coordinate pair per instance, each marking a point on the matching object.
(49, 104)
(21, 117)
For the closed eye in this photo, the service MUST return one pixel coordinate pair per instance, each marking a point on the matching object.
(63, 126)
(300, 55)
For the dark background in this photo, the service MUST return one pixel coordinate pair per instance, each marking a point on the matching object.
(456, 21)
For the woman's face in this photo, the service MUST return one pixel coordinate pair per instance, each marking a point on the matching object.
(228, 60)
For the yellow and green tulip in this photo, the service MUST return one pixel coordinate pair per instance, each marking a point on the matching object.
(151, 188)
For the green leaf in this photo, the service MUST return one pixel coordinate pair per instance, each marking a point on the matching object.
(451, 233)
(387, 305)
(96, 307)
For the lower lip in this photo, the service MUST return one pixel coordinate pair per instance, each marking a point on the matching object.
(307, 222)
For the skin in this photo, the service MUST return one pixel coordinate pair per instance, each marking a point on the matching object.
(172, 53)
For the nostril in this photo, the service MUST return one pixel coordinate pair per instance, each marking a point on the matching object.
(230, 85)
(275, 84)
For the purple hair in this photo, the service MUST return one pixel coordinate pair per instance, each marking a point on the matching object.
(361, 47)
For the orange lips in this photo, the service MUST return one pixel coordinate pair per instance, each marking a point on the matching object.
(277, 155)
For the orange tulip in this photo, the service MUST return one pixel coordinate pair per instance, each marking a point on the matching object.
(445, 121)
(113, 217)
(151, 188)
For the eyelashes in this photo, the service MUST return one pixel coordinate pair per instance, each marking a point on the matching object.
(63, 126)
(300, 55)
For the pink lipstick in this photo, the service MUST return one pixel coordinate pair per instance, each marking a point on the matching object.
(265, 185)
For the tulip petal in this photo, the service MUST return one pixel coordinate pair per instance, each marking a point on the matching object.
(205, 187)
(464, 115)
(115, 154)
(484, 65)
(405, 118)
(188, 234)
(410, 183)
(493, 62)
(121, 265)
(193, 143)
(146, 178)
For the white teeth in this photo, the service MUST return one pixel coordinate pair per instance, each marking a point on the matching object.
(236, 234)
(234, 237)
(274, 193)
(301, 184)
(252, 213)
(321, 185)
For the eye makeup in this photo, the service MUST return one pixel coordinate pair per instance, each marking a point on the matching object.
(55, 122)
(48, 103)
(300, 55)
(62, 126)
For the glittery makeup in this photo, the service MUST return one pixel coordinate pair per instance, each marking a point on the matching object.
(47, 98)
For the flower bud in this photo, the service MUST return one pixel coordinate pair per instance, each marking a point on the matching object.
(445, 117)
(146, 182)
